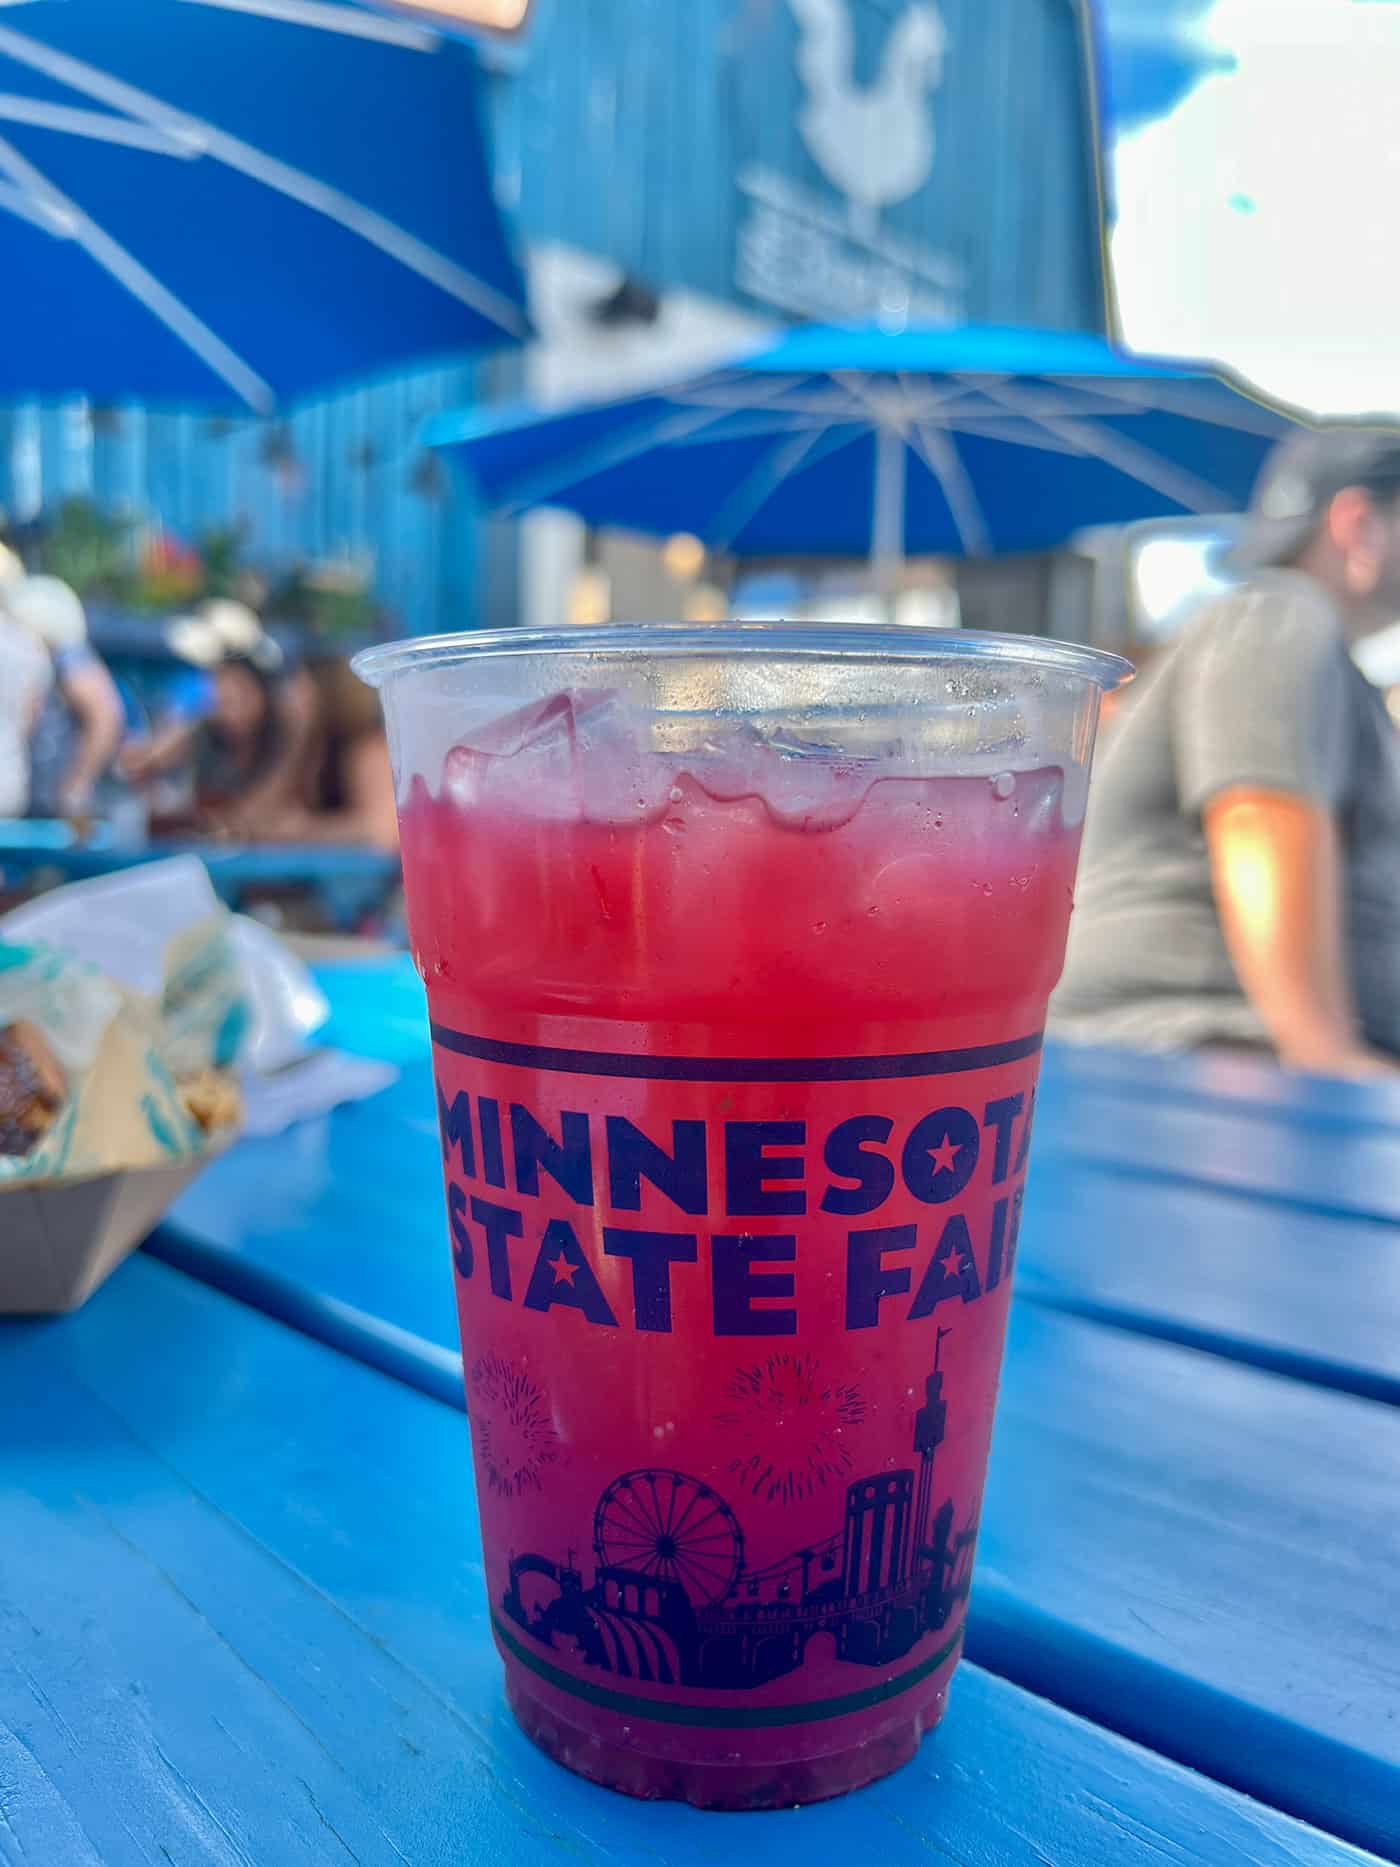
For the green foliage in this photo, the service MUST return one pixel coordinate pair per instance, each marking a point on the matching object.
(87, 548)
(115, 560)
(332, 601)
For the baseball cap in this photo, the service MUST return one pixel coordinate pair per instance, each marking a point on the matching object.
(1301, 478)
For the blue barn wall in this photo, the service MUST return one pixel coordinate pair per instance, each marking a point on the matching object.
(658, 137)
(675, 106)
(339, 478)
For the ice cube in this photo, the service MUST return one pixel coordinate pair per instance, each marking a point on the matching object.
(623, 778)
(810, 786)
(525, 757)
(803, 784)
(571, 755)
(728, 765)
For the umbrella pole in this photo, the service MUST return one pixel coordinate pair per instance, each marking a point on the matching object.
(887, 516)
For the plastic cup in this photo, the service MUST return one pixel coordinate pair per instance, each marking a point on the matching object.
(737, 943)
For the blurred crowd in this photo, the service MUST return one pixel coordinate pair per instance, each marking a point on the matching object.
(241, 740)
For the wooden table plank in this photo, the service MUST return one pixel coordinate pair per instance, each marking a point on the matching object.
(1300, 1293)
(1341, 1170)
(243, 1624)
(1234, 1082)
(297, 1226)
(1272, 1283)
(1208, 1557)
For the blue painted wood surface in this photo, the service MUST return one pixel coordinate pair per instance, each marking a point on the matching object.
(1302, 1293)
(242, 1621)
(1207, 1556)
(1213, 1557)
(1234, 1084)
(342, 477)
(1333, 1170)
(1273, 1527)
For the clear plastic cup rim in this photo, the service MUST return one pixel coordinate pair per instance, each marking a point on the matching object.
(855, 641)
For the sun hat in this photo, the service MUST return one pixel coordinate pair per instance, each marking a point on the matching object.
(221, 630)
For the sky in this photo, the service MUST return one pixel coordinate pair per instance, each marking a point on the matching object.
(1257, 223)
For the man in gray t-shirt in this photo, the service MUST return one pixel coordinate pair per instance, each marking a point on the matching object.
(1240, 879)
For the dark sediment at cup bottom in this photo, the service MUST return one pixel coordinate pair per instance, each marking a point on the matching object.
(731, 1786)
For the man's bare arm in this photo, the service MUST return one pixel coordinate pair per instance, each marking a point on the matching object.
(92, 694)
(1276, 867)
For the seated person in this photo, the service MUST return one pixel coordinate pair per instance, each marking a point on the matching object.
(227, 737)
(236, 748)
(347, 787)
(1240, 880)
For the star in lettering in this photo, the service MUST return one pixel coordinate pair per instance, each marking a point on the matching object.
(564, 1272)
(945, 1156)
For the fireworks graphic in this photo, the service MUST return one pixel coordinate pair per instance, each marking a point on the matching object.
(515, 1437)
(788, 1421)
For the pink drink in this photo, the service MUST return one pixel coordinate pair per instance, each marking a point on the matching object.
(736, 1047)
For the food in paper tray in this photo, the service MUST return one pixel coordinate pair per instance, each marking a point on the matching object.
(112, 1099)
(33, 1086)
(212, 1099)
(98, 1078)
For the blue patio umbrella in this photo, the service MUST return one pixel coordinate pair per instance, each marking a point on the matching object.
(856, 443)
(235, 201)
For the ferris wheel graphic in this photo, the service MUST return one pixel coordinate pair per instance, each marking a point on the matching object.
(667, 1525)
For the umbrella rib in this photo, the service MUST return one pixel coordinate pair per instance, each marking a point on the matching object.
(758, 486)
(130, 273)
(280, 176)
(1266, 424)
(1147, 466)
(1095, 397)
(328, 18)
(1011, 432)
(774, 399)
(944, 462)
(938, 455)
(900, 420)
(92, 124)
(762, 423)
(1131, 457)
(24, 207)
(549, 486)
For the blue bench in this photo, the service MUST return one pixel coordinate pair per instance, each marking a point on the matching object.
(348, 879)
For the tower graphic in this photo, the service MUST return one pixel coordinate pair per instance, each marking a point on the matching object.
(673, 1601)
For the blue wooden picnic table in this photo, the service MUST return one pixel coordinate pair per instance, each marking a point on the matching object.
(242, 1621)
(348, 879)
(1191, 1538)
